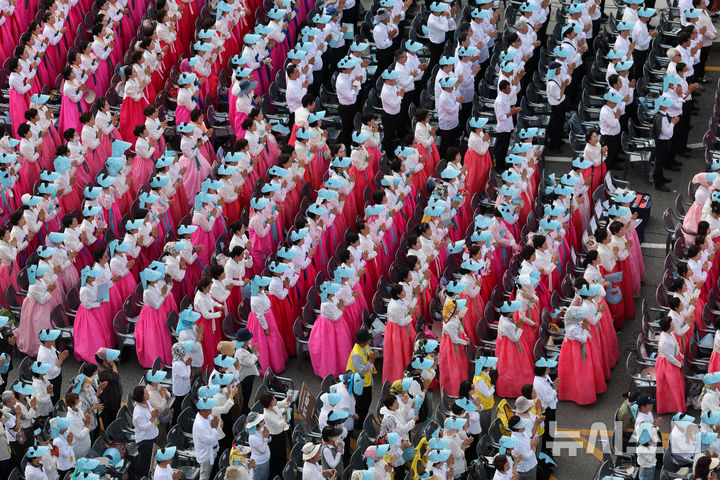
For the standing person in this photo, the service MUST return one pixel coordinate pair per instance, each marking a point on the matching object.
(546, 391)
(361, 361)
(49, 354)
(646, 455)
(258, 440)
(610, 128)
(145, 426)
(111, 395)
(62, 442)
(663, 130)
(181, 369)
(246, 355)
(163, 470)
(524, 432)
(347, 87)
(276, 417)
(668, 368)
(205, 436)
(400, 333)
(504, 111)
(448, 110)
(391, 97)
(312, 469)
(559, 104)
(383, 34)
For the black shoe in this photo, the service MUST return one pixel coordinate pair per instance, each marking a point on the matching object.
(662, 188)
(674, 168)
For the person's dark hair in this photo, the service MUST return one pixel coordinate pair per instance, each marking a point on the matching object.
(195, 114)
(456, 409)
(526, 390)
(615, 227)
(580, 282)
(138, 394)
(613, 79)
(136, 57)
(240, 144)
(389, 400)
(665, 324)
(362, 336)
(451, 153)
(68, 220)
(23, 130)
(98, 254)
(677, 284)
(149, 110)
(352, 238)
(539, 371)
(128, 71)
(88, 369)
(673, 303)
(31, 113)
(527, 252)
(247, 123)
(702, 468)
(683, 37)
(202, 284)
(466, 387)
(343, 255)
(72, 56)
(421, 228)
(503, 85)
(85, 117)
(499, 462)
(266, 399)
(538, 240)
(693, 251)
(71, 399)
(330, 432)
(703, 227)
(421, 114)
(601, 234)
(378, 196)
(236, 251)
(139, 129)
(395, 291)
(512, 38)
(216, 271)
(590, 257)
(307, 99)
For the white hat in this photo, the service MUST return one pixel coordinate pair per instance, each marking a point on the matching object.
(254, 419)
(309, 450)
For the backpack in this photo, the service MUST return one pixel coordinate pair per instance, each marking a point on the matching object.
(657, 125)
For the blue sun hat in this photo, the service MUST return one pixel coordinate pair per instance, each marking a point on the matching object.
(49, 335)
(40, 368)
(373, 210)
(466, 405)
(341, 162)
(625, 26)
(278, 268)
(258, 203)
(360, 137)
(438, 456)
(478, 122)
(299, 234)
(37, 452)
(208, 391)
(23, 388)
(546, 363)
(420, 363)
(316, 209)
(456, 287)
(511, 306)
(455, 247)
(645, 12)
(482, 363)
(165, 454)
(223, 379)
(691, 13)
(206, 403)
(338, 415)
(155, 376)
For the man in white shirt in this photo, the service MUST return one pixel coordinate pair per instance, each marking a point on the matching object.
(49, 354)
(311, 464)
(448, 110)
(642, 38)
(391, 97)
(504, 112)
(546, 391)
(610, 127)
(438, 25)
(347, 87)
(205, 436)
(663, 129)
(526, 446)
(559, 104)
(296, 89)
(383, 34)
(466, 69)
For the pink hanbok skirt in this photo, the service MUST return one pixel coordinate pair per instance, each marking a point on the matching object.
(399, 343)
(212, 335)
(330, 345)
(514, 368)
(454, 365)
(271, 349)
(152, 339)
(670, 387)
(34, 317)
(579, 379)
(90, 332)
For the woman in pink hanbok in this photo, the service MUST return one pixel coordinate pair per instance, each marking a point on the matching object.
(212, 315)
(187, 97)
(19, 93)
(505, 244)
(261, 322)
(36, 309)
(90, 331)
(133, 104)
(142, 165)
(205, 215)
(477, 158)
(331, 339)
(73, 102)
(151, 336)
(29, 160)
(668, 371)
(195, 164)
(259, 232)
(400, 333)
(9, 267)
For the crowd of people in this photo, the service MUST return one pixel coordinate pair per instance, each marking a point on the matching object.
(219, 186)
